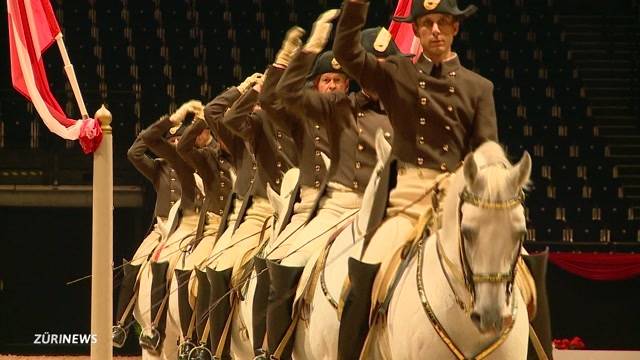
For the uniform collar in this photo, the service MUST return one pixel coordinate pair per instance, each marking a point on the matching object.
(449, 66)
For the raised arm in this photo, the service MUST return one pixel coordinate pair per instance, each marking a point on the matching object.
(191, 154)
(356, 62)
(141, 161)
(299, 100)
(240, 119)
(153, 137)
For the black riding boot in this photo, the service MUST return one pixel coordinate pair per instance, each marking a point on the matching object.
(151, 339)
(282, 292)
(354, 324)
(220, 310)
(259, 313)
(127, 292)
(541, 323)
(202, 303)
(184, 308)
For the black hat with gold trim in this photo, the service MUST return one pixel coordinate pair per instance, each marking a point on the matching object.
(420, 8)
(379, 42)
(326, 63)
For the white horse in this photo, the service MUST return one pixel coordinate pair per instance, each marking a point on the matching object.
(316, 335)
(459, 288)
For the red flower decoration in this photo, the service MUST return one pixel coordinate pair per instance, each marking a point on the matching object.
(90, 135)
(575, 344)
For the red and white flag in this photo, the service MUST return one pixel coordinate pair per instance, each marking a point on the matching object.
(32, 29)
(402, 33)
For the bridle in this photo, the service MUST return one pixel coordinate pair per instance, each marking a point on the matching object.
(471, 278)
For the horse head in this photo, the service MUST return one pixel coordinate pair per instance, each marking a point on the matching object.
(491, 228)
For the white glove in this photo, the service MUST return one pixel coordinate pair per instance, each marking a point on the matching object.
(321, 31)
(249, 82)
(291, 43)
(191, 106)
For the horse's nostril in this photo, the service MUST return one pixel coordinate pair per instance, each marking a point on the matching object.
(475, 317)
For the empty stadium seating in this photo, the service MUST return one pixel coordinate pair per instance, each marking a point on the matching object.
(557, 98)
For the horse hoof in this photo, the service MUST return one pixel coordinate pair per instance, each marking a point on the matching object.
(200, 353)
(118, 336)
(184, 349)
(150, 339)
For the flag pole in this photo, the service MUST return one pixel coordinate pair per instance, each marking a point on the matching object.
(71, 75)
(102, 242)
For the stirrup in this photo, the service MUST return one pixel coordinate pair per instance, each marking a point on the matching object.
(150, 342)
(118, 335)
(200, 353)
(184, 349)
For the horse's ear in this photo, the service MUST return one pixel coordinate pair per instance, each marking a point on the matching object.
(470, 169)
(383, 148)
(326, 160)
(521, 171)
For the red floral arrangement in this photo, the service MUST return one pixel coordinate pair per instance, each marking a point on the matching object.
(574, 344)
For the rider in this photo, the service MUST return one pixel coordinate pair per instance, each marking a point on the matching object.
(183, 226)
(439, 110)
(200, 150)
(165, 182)
(351, 121)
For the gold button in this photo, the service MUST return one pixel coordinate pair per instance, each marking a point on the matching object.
(222, 184)
(423, 121)
(254, 166)
(317, 152)
(317, 126)
(451, 89)
(221, 173)
(421, 72)
(360, 114)
(453, 73)
(423, 101)
(448, 128)
(387, 134)
(252, 181)
(445, 147)
(279, 147)
(173, 179)
(443, 167)
(317, 138)
(360, 147)
(278, 164)
(221, 161)
(317, 168)
(172, 190)
(277, 181)
(220, 212)
(420, 160)
(317, 184)
(172, 202)
(359, 130)
(355, 184)
(358, 165)
(421, 139)
(422, 84)
(221, 197)
(279, 134)
(450, 108)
